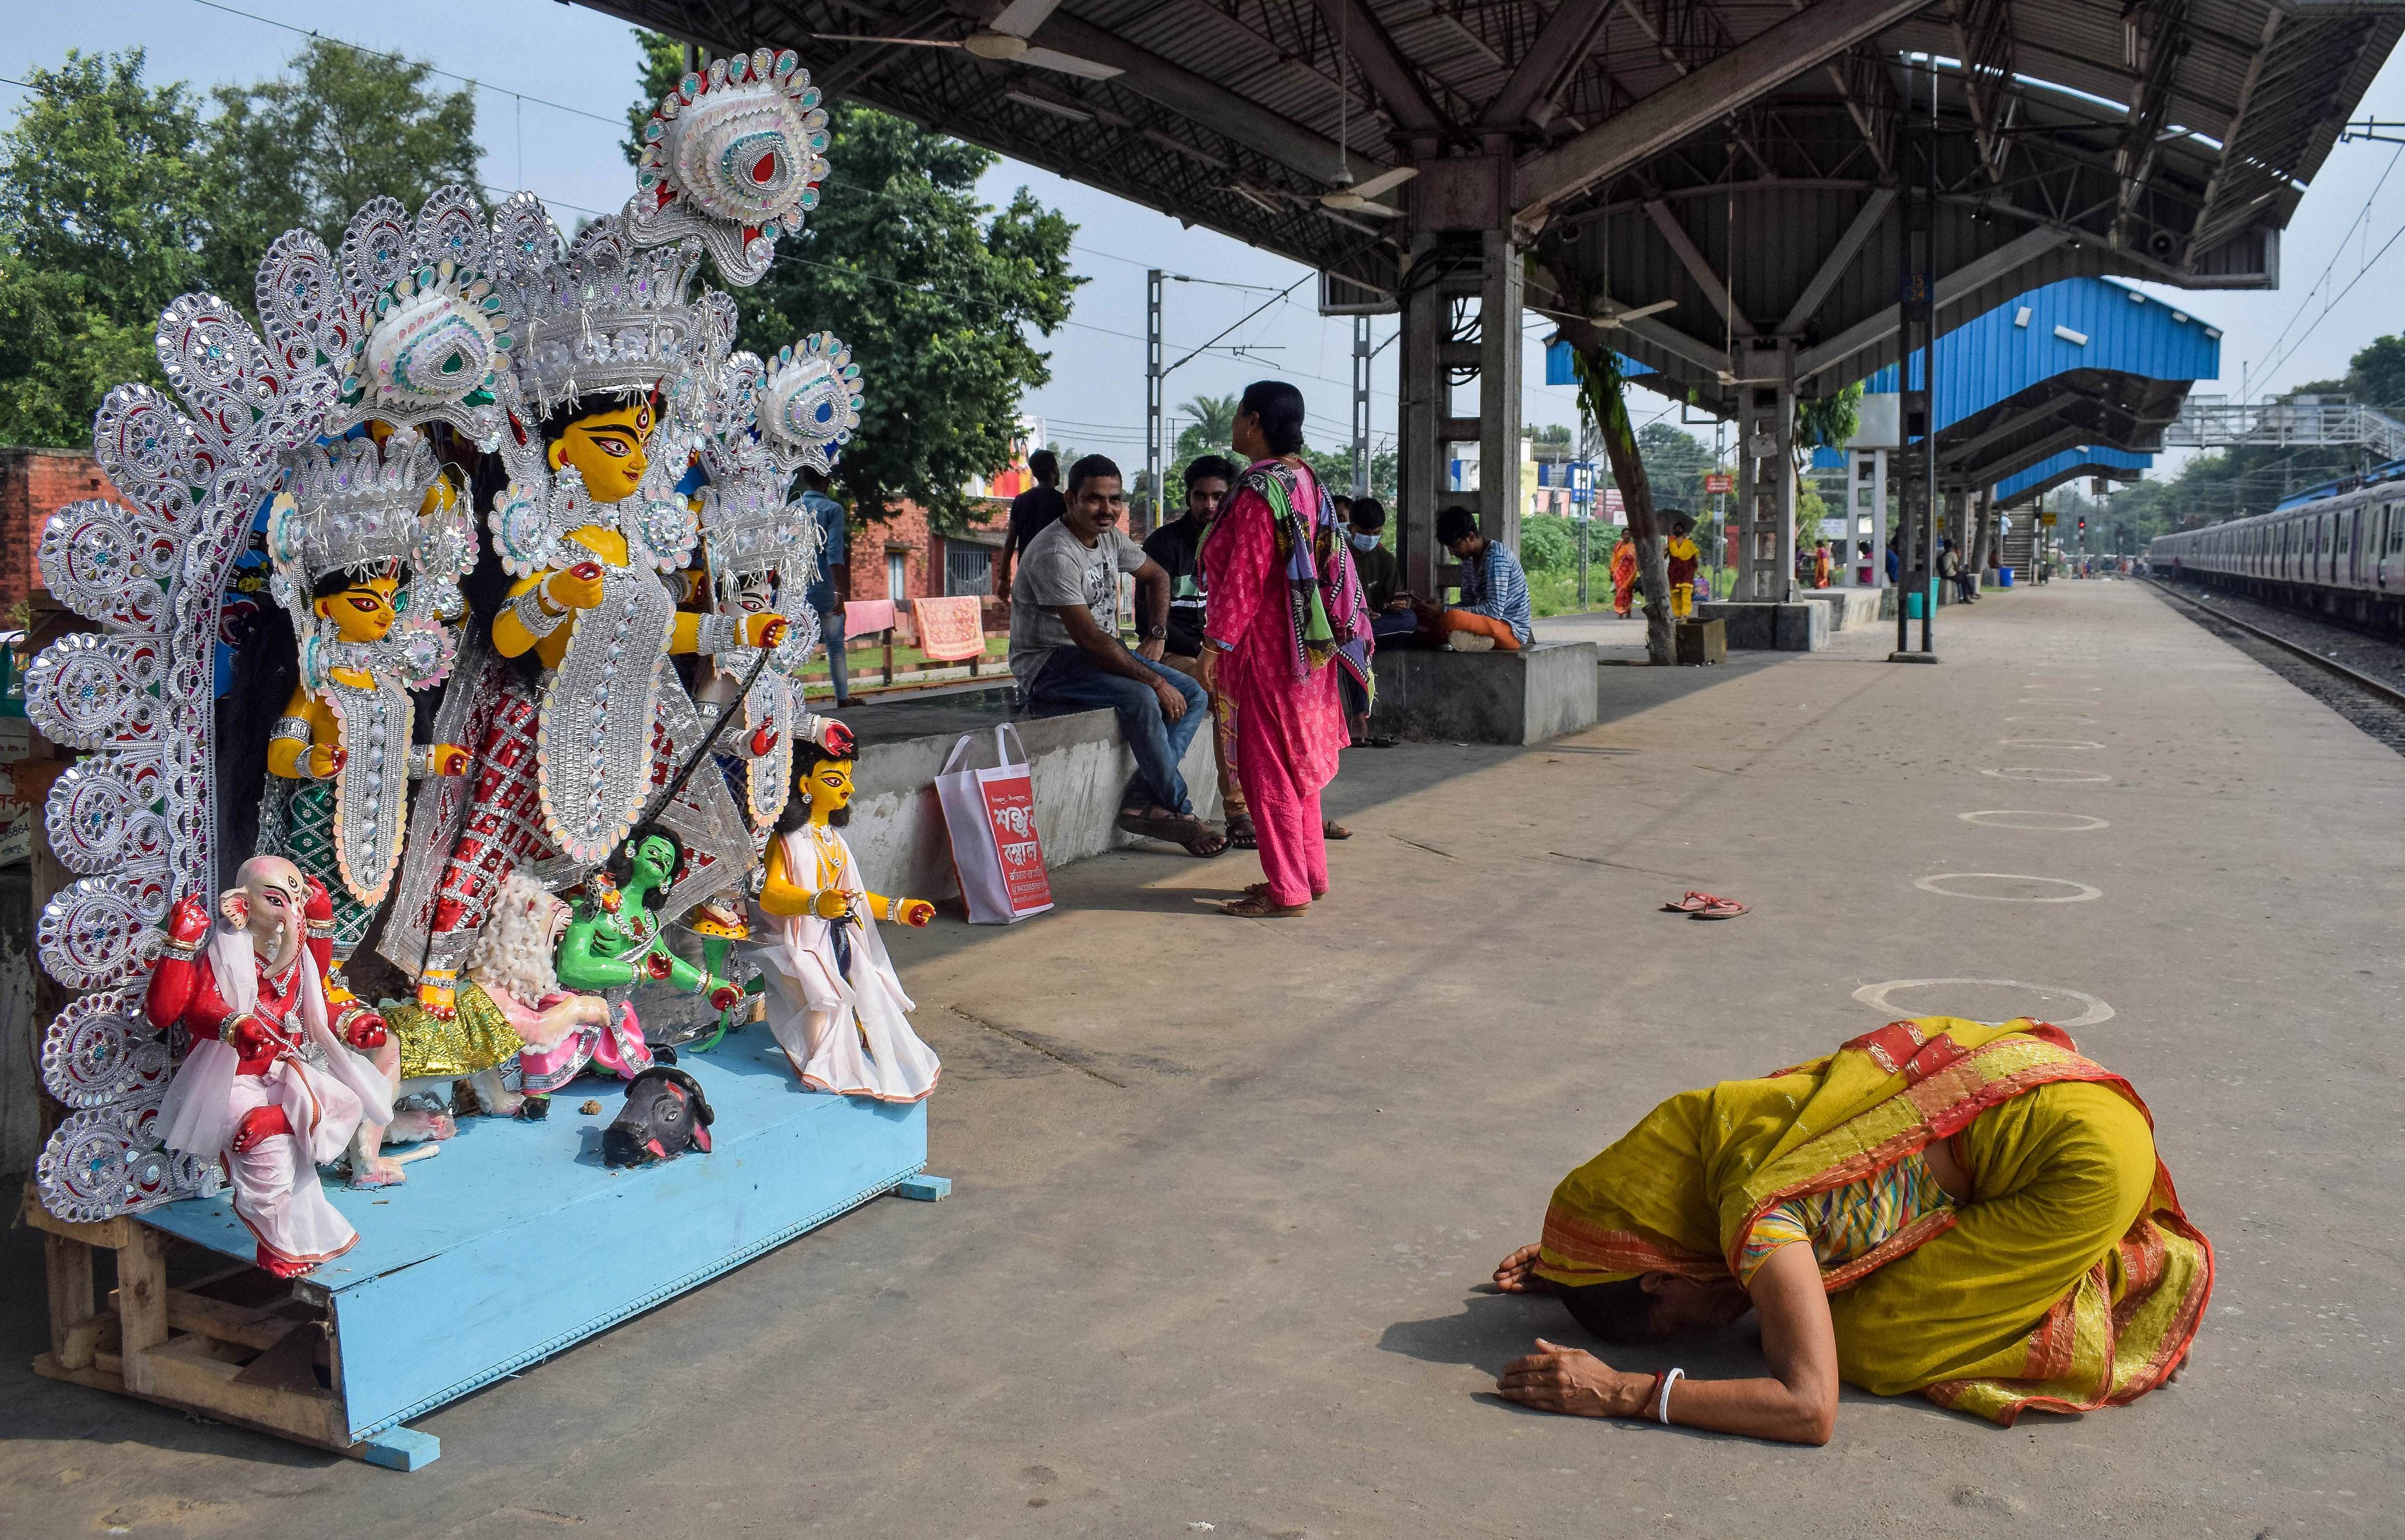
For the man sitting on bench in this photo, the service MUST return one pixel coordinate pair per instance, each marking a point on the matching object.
(1066, 653)
(1493, 613)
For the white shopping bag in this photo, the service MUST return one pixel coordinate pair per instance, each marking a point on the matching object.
(991, 816)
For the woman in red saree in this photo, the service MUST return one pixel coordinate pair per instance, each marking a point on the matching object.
(1276, 569)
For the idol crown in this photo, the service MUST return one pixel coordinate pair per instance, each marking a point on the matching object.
(354, 507)
(614, 316)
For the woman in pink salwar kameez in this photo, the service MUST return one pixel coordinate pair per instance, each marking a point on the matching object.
(1268, 642)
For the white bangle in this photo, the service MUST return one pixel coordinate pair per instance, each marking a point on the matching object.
(1662, 1403)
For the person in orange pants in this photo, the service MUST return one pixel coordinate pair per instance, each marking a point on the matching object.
(1494, 613)
(1623, 575)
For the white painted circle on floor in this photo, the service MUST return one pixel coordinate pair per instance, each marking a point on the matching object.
(2001, 817)
(2050, 743)
(2081, 892)
(2053, 700)
(2051, 775)
(1878, 998)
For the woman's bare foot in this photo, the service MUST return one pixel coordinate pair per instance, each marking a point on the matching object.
(377, 1171)
(1517, 1273)
(412, 1127)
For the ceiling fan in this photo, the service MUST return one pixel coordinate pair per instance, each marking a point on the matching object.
(1004, 40)
(1618, 318)
(1349, 198)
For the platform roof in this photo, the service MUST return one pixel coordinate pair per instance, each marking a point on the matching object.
(2082, 361)
(1736, 158)
(2070, 465)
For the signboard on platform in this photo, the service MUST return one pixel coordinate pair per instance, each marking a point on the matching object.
(2046, 519)
(1717, 482)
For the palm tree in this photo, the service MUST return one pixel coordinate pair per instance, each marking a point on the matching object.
(1215, 418)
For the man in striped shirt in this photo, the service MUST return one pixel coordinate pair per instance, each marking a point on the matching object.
(1494, 609)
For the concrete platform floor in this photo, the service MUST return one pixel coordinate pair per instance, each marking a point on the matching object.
(1229, 1192)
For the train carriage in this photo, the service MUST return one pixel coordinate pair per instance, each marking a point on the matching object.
(2337, 549)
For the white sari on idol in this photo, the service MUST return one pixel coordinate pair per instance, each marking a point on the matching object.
(275, 1188)
(848, 1029)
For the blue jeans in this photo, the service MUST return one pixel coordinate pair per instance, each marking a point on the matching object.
(1071, 681)
(831, 632)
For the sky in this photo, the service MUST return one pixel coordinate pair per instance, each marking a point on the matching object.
(556, 124)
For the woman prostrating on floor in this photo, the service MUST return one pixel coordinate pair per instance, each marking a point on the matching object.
(1972, 1212)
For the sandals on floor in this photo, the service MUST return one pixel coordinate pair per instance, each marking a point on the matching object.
(1706, 906)
(1241, 835)
(1375, 740)
(1256, 905)
(1333, 829)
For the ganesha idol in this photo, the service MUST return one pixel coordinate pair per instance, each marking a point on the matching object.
(272, 1085)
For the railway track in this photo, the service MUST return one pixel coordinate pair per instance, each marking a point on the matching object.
(2375, 705)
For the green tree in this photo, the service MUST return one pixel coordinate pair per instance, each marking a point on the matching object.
(660, 64)
(339, 127)
(1548, 543)
(932, 291)
(1675, 462)
(103, 212)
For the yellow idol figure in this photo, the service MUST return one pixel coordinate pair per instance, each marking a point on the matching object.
(834, 1000)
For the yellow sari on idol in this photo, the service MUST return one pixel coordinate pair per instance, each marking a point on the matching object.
(2069, 1279)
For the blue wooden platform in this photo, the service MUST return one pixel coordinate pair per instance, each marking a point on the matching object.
(516, 1241)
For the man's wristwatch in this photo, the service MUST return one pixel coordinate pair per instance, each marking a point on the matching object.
(1156, 633)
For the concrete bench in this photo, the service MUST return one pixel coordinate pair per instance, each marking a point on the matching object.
(1538, 692)
(1798, 626)
(1079, 767)
(1848, 608)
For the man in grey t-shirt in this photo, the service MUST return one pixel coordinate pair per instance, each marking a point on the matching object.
(1066, 653)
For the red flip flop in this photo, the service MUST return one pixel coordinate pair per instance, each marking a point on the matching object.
(1694, 902)
(1720, 908)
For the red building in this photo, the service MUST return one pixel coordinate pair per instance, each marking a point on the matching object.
(902, 557)
(33, 482)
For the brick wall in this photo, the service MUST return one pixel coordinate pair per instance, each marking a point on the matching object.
(907, 535)
(34, 482)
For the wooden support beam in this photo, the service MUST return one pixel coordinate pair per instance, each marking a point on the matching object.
(1753, 69)
(1682, 245)
(1560, 46)
(1841, 256)
(1383, 64)
(1266, 134)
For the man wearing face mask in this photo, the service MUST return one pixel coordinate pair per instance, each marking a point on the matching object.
(1390, 608)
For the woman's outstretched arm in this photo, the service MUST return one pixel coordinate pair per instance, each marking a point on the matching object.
(1797, 1405)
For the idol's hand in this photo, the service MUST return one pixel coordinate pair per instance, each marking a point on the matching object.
(446, 759)
(836, 738)
(916, 912)
(725, 997)
(1576, 1383)
(831, 903)
(249, 1038)
(763, 741)
(764, 630)
(188, 922)
(364, 1031)
(577, 587)
(657, 964)
(325, 760)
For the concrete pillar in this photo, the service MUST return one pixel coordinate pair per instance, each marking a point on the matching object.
(1499, 389)
(1421, 452)
(1765, 470)
(1867, 514)
(1460, 323)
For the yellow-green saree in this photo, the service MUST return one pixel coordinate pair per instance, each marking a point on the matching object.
(2070, 1280)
